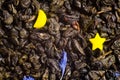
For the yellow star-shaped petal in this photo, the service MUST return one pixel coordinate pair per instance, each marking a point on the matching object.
(97, 42)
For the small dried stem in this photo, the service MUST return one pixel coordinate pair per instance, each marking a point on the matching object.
(104, 54)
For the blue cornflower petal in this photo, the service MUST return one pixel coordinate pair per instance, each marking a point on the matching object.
(117, 74)
(28, 78)
(63, 62)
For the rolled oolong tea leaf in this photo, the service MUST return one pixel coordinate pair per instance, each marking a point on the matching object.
(25, 3)
(8, 18)
(41, 20)
(63, 62)
(28, 78)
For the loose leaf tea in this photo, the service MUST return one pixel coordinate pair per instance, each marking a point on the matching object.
(58, 39)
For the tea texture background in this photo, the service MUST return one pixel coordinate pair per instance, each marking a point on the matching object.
(39, 53)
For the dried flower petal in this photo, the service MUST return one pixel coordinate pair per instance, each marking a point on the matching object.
(28, 78)
(116, 74)
(63, 63)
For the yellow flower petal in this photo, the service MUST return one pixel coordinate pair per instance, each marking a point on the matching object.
(97, 42)
(41, 20)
